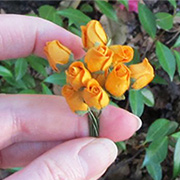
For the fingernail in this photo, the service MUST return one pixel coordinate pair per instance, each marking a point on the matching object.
(139, 122)
(97, 156)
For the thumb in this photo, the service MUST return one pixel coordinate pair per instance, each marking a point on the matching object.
(31, 35)
(79, 159)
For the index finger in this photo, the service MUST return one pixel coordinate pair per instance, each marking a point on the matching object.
(21, 36)
(48, 118)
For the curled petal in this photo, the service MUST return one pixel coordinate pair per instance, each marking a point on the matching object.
(95, 96)
(98, 58)
(118, 81)
(74, 99)
(122, 54)
(77, 75)
(56, 53)
(93, 33)
(143, 73)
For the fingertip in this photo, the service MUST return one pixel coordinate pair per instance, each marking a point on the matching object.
(118, 124)
(48, 31)
(79, 159)
(139, 121)
(31, 35)
(100, 151)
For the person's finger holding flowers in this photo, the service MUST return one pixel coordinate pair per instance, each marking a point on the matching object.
(44, 131)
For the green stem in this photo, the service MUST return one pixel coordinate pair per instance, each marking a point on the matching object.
(93, 124)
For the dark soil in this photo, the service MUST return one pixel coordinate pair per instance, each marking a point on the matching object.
(25, 7)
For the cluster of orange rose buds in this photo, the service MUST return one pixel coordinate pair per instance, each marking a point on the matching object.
(103, 73)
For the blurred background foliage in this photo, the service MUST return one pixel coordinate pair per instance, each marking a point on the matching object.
(152, 28)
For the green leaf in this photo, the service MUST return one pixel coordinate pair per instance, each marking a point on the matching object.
(164, 20)
(8, 63)
(57, 20)
(33, 15)
(136, 102)
(176, 135)
(20, 68)
(75, 30)
(121, 98)
(59, 79)
(113, 104)
(13, 170)
(5, 72)
(125, 3)
(107, 9)
(9, 89)
(45, 89)
(160, 128)
(36, 64)
(159, 80)
(136, 58)
(121, 145)
(46, 11)
(29, 81)
(40, 60)
(148, 97)
(177, 14)
(18, 84)
(75, 16)
(147, 19)
(28, 91)
(177, 56)
(155, 171)
(157, 151)
(166, 59)
(177, 43)
(10, 80)
(176, 167)
(49, 13)
(86, 8)
(81, 113)
(173, 3)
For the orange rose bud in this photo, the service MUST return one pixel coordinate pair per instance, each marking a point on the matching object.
(93, 33)
(94, 95)
(101, 78)
(74, 99)
(77, 75)
(118, 81)
(56, 54)
(98, 58)
(122, 54)
(143, 73)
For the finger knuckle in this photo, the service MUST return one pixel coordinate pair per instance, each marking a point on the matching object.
(16, 125)
(54, 171)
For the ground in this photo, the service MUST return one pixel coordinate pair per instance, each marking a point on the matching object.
(167, 96)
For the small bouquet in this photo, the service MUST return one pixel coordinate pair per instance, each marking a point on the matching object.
(101, 75)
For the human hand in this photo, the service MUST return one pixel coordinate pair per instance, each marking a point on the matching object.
(39, 132)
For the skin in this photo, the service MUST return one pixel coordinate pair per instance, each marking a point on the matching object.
(39, 132)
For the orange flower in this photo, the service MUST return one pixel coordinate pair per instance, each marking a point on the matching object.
(77, 75)
(98, 58)
(101, 78)
(143, 73)
(93, 33)
(122, 54)
(118, 80)
(56, 54)
(94, 95)
(74, 99)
